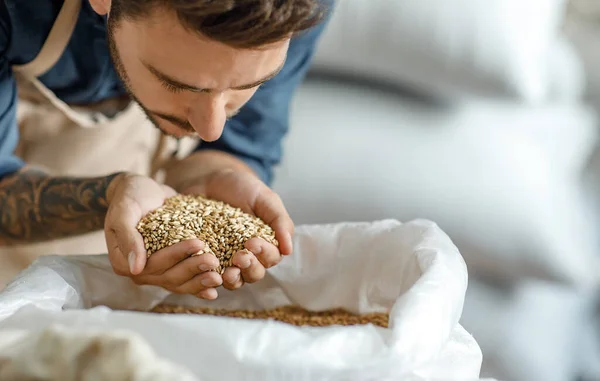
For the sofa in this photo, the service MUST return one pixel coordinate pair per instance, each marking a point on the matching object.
(482, 117)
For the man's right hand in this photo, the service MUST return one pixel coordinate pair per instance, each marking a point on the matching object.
(130, 197)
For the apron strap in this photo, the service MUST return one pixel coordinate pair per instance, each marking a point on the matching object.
(55, 43)
(53, 48)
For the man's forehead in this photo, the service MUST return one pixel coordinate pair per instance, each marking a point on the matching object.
(165, 24)
(185, 55)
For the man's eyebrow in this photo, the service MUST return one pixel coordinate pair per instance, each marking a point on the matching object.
(261, 81)
(184, 86)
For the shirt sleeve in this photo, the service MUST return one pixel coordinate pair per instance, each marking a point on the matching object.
(9, 132)
(255, 134)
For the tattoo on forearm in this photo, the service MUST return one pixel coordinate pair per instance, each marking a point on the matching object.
(35, 207)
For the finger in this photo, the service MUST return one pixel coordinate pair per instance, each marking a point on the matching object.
(200, 283)
(270, 209)
(122, 221)
(267, 254)
(182, 272)
(166, 258)
(252, 269)
(232, 278)
(209, 294)
(187, 270)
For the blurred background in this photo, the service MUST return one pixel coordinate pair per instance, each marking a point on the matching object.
(483, 117)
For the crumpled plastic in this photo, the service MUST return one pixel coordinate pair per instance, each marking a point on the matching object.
(58, 353)
(413, 270)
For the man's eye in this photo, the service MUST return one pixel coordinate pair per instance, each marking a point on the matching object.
(171, 88)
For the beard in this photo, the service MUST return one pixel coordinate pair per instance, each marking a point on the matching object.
(122, 74)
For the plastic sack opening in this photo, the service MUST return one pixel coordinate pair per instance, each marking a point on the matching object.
(412, 270)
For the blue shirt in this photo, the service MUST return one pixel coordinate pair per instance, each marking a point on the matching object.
(85, 74)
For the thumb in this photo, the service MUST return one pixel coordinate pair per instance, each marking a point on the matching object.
(136, 252)
(128, 239)
(169, 192)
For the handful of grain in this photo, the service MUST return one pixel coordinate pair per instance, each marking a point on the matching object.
(223, 228)
(287, 314)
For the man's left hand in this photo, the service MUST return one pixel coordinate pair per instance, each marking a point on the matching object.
(247, 192)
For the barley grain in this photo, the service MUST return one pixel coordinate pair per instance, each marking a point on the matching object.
(293, 315)
(223, 228)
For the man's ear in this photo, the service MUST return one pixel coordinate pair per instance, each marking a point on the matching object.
(102, 7)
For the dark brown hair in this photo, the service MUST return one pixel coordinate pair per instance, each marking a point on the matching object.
(238, 23)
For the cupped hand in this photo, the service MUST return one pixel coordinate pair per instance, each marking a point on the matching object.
(174, 268)
(247, 192)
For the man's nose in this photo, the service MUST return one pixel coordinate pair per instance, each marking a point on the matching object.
(208, 116)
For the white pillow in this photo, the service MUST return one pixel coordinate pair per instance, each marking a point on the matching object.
(582, 26)
(503, 181)
(531, 331)
(453, 47)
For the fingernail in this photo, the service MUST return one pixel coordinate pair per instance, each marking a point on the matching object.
(245, 261)
(288, 237)
(205, 267)
(206, 282)
(210, 294)
(131, 260)
(198, 252)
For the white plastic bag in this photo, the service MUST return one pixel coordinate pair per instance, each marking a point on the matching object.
(413, 269)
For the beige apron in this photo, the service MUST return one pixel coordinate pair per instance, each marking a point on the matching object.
(79, 141)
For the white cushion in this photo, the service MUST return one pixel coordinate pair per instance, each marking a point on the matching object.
(508, 48)
(582, 27)
(531, 331)
(501, 180)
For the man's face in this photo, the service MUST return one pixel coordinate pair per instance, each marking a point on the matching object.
(186, 83)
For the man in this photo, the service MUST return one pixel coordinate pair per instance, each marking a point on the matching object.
(224, 71)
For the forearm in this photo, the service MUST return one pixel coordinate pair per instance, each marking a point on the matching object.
(36, 207)
(199, 166)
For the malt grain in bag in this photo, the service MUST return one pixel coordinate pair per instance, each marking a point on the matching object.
(412, 270)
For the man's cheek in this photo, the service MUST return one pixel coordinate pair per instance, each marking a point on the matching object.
(240, 100)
